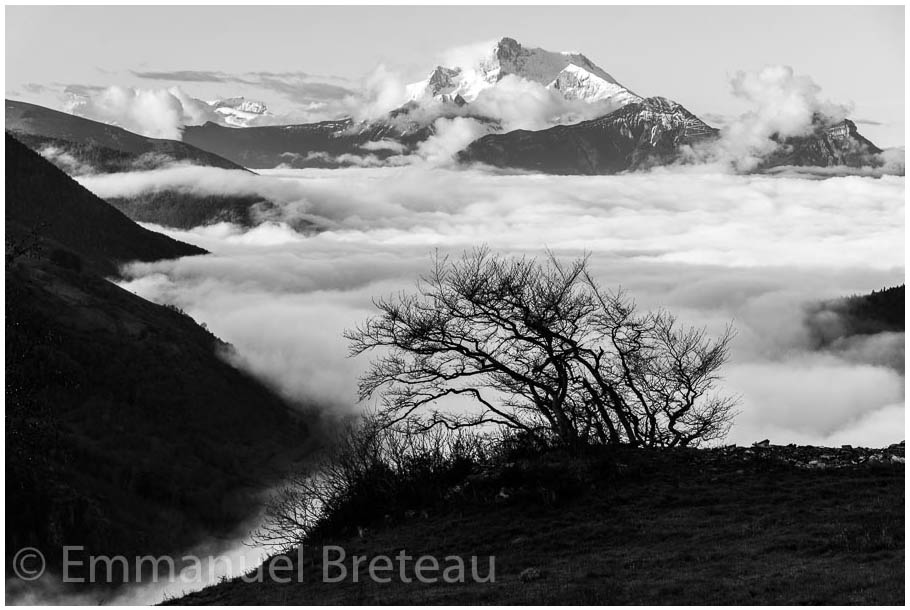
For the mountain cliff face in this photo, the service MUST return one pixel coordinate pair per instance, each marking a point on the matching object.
(572, 74)
(638, 135)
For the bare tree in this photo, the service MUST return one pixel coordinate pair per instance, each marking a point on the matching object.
(540, 348)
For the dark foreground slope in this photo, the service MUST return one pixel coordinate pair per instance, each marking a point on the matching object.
(127, 432)
(775, 525)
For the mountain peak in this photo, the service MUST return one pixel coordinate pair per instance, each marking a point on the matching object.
(572, 74)
(507, 47)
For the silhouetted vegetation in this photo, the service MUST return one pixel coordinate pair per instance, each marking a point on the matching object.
(370, 473)
(880, 311)
(541, 348)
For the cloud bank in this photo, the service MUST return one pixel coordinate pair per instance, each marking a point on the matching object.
(710, 247)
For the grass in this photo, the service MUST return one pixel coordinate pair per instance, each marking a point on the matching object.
(639, 527)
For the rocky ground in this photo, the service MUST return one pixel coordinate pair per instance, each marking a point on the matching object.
(810, 457)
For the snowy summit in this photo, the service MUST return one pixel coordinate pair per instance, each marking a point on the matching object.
(572, 74)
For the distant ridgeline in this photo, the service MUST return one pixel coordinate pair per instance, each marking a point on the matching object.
(99, 147)
(127, 431)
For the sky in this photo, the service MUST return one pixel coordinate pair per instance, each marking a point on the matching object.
(297, 58)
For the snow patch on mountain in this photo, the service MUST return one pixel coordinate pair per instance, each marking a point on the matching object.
(238, 111)
(576, 83)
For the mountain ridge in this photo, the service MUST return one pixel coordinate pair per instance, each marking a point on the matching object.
(652, 132)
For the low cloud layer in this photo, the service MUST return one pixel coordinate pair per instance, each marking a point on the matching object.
(710, 247)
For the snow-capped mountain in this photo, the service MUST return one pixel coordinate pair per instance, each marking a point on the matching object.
(572, 74)
(238, 111)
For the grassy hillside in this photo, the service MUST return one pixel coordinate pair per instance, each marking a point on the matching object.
(778, 525)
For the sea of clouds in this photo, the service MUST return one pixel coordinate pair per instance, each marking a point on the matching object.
(712, 247)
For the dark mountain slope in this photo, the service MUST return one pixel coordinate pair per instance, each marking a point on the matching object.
(43, 202)
(307, 145)
(127, 432)
(636, 136)
(105, 148)
(328, 144)
(648, 133)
